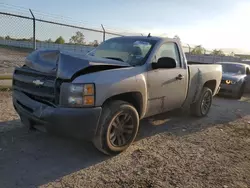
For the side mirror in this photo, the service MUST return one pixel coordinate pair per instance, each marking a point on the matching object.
(164, 63)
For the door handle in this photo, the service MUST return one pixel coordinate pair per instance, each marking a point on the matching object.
(179, 77)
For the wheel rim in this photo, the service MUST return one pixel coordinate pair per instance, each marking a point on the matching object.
(206, 103)
(122, 129)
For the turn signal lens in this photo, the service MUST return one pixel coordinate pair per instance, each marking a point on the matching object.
(88, 89)
(88, 100)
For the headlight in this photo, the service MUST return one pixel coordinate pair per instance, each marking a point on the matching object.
(77, 95)
(230, 82)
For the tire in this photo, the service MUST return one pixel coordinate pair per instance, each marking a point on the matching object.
(198, 108)
(112, 137)
(240, 92)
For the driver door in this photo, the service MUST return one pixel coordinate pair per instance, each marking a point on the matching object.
(167, 87)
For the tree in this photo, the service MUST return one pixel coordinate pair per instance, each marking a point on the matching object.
(177, 37)
(49, 40)
(78, 38)
(95, 43)
(198, 50)
(7, 38)
(60, 40)
(217, 52)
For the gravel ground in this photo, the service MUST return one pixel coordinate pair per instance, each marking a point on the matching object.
(172, 150)
(11, 58)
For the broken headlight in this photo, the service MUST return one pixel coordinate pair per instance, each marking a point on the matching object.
(77, 95)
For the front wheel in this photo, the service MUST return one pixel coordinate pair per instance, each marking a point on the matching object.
(202, 106)
(118, 127)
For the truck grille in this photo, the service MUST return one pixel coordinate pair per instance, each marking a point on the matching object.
(37, 85)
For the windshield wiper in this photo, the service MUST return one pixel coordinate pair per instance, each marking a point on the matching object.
(115, 58)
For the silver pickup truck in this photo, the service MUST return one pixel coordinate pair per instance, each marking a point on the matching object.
(103, 95)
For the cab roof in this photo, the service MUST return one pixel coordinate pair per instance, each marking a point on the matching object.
(148, 38)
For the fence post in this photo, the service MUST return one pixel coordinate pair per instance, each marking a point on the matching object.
(104, 32)
(34, 30)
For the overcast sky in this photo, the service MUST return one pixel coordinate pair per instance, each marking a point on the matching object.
(214, 24)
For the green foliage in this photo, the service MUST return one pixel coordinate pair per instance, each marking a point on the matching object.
(60, 40)
(177, 37)
(217, 52)
(7, 38)
(95, 43)
(78, 38)
(49, 40)
(198, 50)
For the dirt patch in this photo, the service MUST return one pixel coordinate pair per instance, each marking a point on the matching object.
(172, 150)
(7, 113)
(216, 157)
(11, 58)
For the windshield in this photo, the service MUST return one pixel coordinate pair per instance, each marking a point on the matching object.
(130, 50)
(233, 68)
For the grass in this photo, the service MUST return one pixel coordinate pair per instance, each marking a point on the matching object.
(5, 88)
(20, 49)
(5, 76)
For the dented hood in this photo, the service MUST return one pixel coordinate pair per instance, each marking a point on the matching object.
(66, 64)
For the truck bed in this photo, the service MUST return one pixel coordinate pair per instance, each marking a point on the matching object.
(199, 74)
(197, 63)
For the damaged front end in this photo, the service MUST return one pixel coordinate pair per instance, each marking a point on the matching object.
(45, 70)
(37, 85)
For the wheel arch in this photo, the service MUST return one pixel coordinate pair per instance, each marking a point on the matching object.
(211, 84)
(134, 98)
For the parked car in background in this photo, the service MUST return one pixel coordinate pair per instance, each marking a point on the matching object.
(102, 96)
(235, 79)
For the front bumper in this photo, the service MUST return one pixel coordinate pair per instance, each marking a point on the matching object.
(229, 90)
(80, 123)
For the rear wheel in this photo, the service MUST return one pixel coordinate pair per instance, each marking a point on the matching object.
(202, 106)
(118, 127)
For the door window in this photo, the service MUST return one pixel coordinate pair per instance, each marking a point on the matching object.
(169, 50)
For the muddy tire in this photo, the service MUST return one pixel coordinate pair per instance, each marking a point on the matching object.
(117, 128)
(202, 106)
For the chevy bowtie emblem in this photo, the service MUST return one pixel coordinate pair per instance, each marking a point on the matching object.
(37, 82)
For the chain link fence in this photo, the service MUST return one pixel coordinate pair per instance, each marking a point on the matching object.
(20, 34)
(10, 58)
